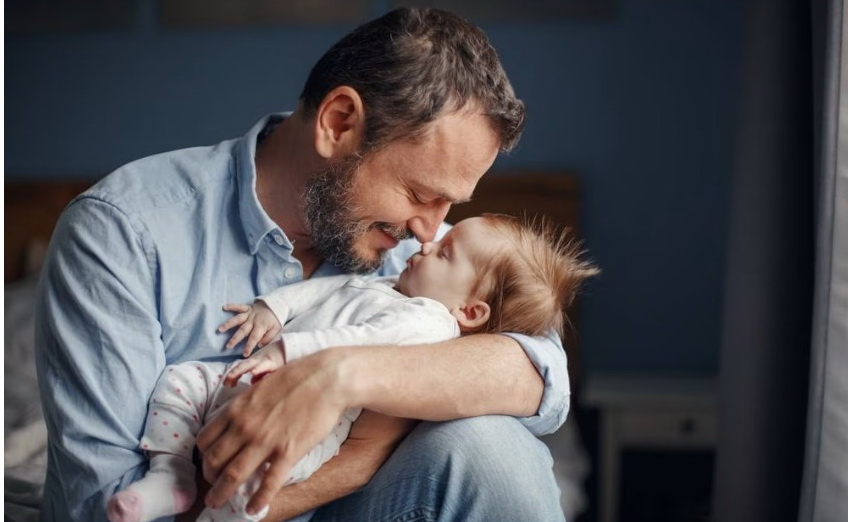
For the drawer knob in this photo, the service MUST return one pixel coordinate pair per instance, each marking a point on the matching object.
(687, 427)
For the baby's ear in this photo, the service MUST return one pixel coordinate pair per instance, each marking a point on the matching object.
(472, 315)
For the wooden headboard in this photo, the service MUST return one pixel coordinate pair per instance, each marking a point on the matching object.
(554, 195)
(32, 208)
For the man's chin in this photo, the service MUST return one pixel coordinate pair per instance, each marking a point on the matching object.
(370, 262)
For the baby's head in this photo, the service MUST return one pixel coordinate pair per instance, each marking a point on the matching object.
(498, 274)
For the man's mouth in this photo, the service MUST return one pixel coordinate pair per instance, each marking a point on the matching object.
(398, 233)
(390, 240)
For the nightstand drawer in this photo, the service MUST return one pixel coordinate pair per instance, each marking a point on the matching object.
(664, 428)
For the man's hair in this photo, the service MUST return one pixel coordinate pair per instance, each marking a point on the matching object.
(411, 66)
(532, 278)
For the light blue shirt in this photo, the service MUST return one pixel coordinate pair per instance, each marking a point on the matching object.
(135, 277)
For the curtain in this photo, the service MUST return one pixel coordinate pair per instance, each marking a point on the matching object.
(764, 359)
(825, 479)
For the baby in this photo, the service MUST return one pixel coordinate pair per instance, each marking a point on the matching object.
(490, 273)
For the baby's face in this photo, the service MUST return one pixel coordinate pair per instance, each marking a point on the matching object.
(446, 270)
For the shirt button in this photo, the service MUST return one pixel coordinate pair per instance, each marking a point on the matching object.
(289, 272)
(278, 238)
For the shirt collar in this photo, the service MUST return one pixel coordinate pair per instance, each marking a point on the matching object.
(254, 219)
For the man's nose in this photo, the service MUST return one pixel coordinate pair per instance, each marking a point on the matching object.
(425, 225)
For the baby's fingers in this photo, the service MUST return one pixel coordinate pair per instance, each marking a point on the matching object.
(270, 335)
(240, 334)
(237, 371)
(236, 307)
(232, 322)
(255, 338)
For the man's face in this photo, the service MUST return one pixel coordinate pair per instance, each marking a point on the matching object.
(357, 209)
(332, 218)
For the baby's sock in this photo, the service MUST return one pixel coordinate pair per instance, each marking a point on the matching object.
(168, 488)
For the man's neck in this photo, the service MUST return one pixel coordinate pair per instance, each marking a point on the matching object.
(284, 163)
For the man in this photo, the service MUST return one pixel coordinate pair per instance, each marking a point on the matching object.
(397, 121)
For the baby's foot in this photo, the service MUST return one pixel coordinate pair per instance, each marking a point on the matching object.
(129, 506)
(183, 499)
(125, 506)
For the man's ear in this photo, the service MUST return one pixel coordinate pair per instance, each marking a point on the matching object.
(472, 314)
(339, 123)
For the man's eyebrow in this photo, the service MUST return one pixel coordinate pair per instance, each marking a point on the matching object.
(460, 201)
(443, 194)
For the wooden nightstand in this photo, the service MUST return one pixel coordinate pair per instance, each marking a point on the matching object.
(646, 412)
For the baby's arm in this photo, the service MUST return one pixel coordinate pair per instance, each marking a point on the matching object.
(405, 321)
(262, 321)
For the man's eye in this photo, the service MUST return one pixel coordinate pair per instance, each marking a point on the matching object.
(418, 199)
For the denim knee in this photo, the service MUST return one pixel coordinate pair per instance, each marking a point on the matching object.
(481, 469)
(489, 468)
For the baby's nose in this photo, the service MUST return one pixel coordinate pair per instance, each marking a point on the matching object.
(426, 247)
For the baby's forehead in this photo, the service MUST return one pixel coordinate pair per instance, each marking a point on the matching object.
(480, 236)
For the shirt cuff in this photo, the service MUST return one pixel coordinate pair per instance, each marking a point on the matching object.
(548, 356)
(299, 344)
(278, 306)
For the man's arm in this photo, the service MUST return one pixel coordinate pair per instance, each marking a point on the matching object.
(372, 439)
(99, 354)
(474, 375)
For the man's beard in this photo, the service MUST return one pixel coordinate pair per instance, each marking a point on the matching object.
(332, 222)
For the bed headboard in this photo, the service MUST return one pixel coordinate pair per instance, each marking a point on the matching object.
(554, 195)
(33, 207)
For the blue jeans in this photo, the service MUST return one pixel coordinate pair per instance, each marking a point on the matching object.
(484, 469)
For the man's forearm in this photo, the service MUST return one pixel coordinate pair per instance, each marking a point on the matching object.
(279, 419)
(469, 376)
(372, 439)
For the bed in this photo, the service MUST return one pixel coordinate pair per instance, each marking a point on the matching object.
(31, 212)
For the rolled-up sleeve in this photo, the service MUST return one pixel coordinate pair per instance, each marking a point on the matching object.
(549, 358)
(99, 353)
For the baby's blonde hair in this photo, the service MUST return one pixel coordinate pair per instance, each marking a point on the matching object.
(532, 278)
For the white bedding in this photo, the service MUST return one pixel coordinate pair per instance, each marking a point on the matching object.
(25, 457)
(25, 437)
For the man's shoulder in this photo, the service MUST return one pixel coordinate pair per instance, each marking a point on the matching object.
(165, 179)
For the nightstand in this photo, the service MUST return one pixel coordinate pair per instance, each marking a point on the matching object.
(651, 412)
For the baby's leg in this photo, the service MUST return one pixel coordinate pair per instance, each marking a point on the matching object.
(168, 488)
(175, 413)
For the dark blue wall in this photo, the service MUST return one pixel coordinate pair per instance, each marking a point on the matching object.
(640, 105)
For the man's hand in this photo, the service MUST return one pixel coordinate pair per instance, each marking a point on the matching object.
(276, 421)
(372, 439)
(282, 417)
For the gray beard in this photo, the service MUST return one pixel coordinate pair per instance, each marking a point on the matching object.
(332, 222)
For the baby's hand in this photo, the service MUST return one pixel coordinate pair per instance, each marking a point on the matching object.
(256, 322)
(266, 360)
